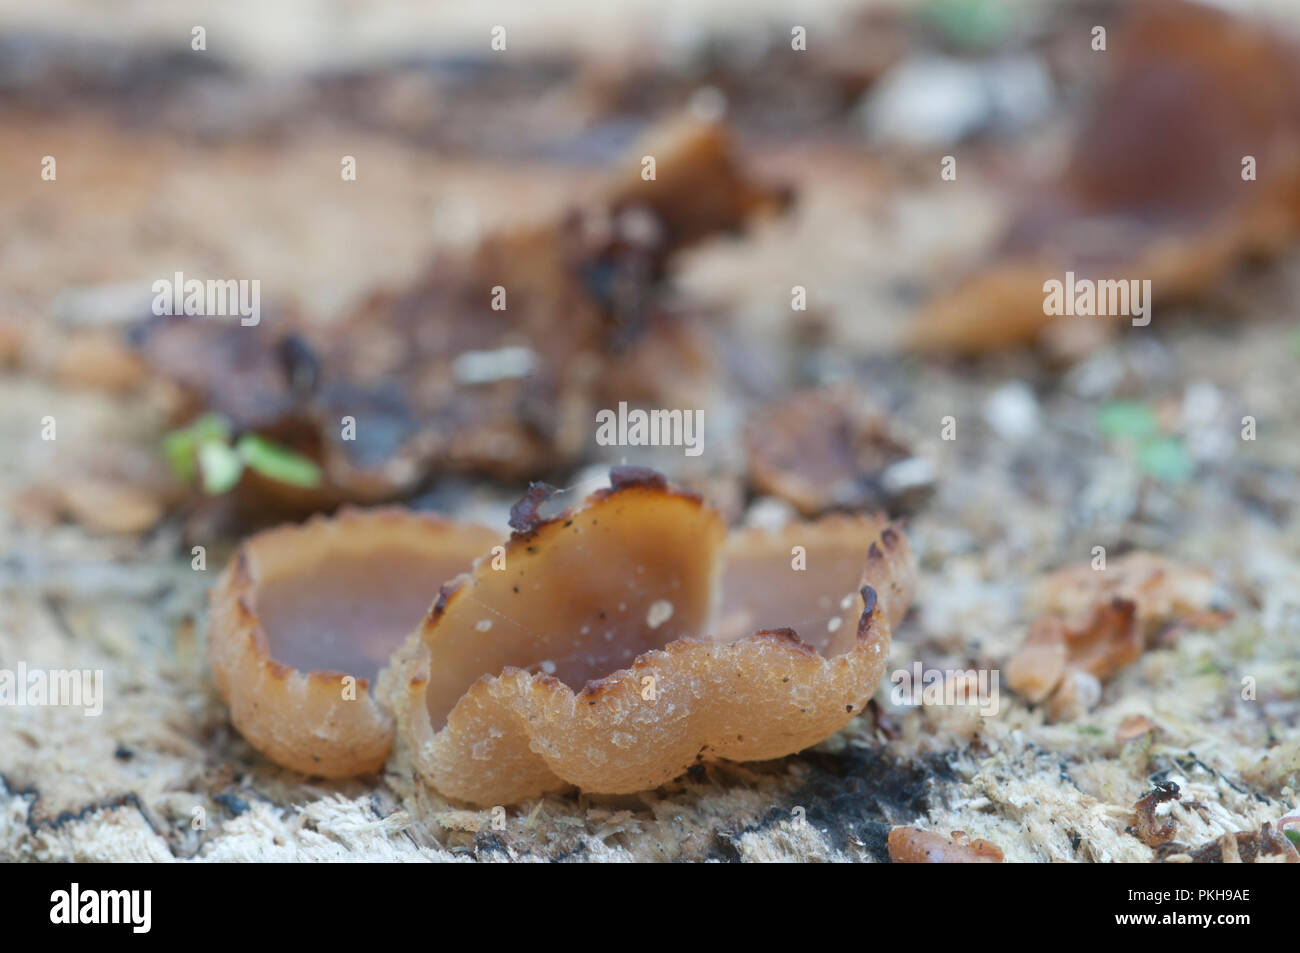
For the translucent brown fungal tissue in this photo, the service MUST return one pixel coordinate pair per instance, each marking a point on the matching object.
(1157, 187)
(822, 450)
(1164, 591)
(911, 845)
(1149, 828)
(566, 312)
(1093, 623)
(305, 616)
(1063, 664)
(1268, 845)
(615, 645)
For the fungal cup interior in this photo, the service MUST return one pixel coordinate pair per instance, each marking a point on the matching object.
(580, 598)
(768, 584)
(345, 607)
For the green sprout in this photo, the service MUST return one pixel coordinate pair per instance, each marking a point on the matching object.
(1293, 835)
(181, 447)
(220, 468)
(1165, 458)
(1126, 418)
(1160, 455)
(202, 451)
(277, 462)
(969, 23)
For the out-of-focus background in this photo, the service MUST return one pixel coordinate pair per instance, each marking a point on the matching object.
(844, 274)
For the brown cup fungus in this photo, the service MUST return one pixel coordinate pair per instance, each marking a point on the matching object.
(1186, 163)
(305, 616)
(616, 644)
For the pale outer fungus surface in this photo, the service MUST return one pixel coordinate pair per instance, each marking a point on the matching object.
(572, 684)
(301, 610)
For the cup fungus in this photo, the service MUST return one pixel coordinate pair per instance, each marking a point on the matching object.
(1187, 163)
(304, 617)
(618, 643)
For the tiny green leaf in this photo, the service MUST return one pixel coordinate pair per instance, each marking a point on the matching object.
(178, 449)
(1123, 418)
(1293, 835)
(1165, 458)
(970, 23)
(181, 446)
(277, 462)
(220, 466)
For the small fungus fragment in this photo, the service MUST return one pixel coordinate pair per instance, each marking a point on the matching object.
(1266, 845)
(911, 845)
(1163, 590)
(1093, 623)
(1147, 826)
(1063, 665)
(822, 449)
(1135, 726)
